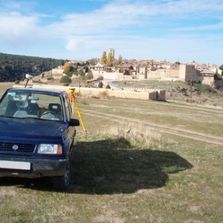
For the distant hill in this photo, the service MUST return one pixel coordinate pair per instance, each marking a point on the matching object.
(14, 67)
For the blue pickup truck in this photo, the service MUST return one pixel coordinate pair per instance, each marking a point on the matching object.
(36, 134)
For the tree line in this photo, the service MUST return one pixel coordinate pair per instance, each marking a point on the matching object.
(109, 59)
(14, 67)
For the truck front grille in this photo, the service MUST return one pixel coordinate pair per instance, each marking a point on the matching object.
(17, 147)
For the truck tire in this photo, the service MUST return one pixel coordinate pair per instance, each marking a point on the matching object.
(62, 182)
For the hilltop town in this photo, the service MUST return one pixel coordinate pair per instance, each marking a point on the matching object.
(142, 79)
(119, 77)
(122, 69)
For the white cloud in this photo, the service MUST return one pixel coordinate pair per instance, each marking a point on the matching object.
(183, 48)
(72, 45)
(105, 27)
(118, 24)
(15, 27)
(120, 17)
(16, 6)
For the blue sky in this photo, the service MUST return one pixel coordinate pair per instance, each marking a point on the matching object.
(182, 30)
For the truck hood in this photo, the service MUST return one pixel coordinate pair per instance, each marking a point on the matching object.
(31, 129)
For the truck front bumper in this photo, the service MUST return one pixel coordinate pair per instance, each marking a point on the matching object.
(31, 168)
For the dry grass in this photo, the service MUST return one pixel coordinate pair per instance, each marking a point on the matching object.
(136, 134)
(195, 118)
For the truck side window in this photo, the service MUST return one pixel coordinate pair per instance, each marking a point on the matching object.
(68, 107)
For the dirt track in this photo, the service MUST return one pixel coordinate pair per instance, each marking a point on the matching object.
(162, 128)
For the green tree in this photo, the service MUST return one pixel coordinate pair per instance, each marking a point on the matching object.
(14, 67)
(68, 69)
(217, 76)
(104, 58)
(110, 60)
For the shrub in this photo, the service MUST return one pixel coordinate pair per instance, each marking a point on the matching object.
(50, 78)
(108, 86)
(126, 72)
(217, 77)
(100, 84)
(89, 75)
(120, 70)
(65, 80)
(69, 74)
(81, 73)
(203, 88)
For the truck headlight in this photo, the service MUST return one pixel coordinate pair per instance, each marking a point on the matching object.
(53, 149)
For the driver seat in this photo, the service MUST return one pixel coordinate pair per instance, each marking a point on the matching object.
(54, 112)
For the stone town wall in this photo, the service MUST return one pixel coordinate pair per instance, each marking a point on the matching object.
(209, 80)
(192, 74)
(96, 92)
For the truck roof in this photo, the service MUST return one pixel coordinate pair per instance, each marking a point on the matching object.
(39, 90)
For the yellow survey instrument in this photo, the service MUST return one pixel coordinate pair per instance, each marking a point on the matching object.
(72, 95)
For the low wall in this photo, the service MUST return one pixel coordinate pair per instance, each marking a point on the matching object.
(159, 95)
(97, 92)
(107, 75)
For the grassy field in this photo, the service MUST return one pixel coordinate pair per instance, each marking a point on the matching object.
(151, 84)
(188, 117)
(128, 171)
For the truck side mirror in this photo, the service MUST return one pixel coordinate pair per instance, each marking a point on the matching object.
(74, 122)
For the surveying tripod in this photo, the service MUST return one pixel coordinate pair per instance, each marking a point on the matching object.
(72, 95)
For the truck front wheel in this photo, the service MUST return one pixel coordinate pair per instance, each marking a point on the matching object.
(63, 182)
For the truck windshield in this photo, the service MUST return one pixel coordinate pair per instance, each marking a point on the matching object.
(27, 104)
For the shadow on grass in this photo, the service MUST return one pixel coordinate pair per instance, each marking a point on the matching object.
(113, 166)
